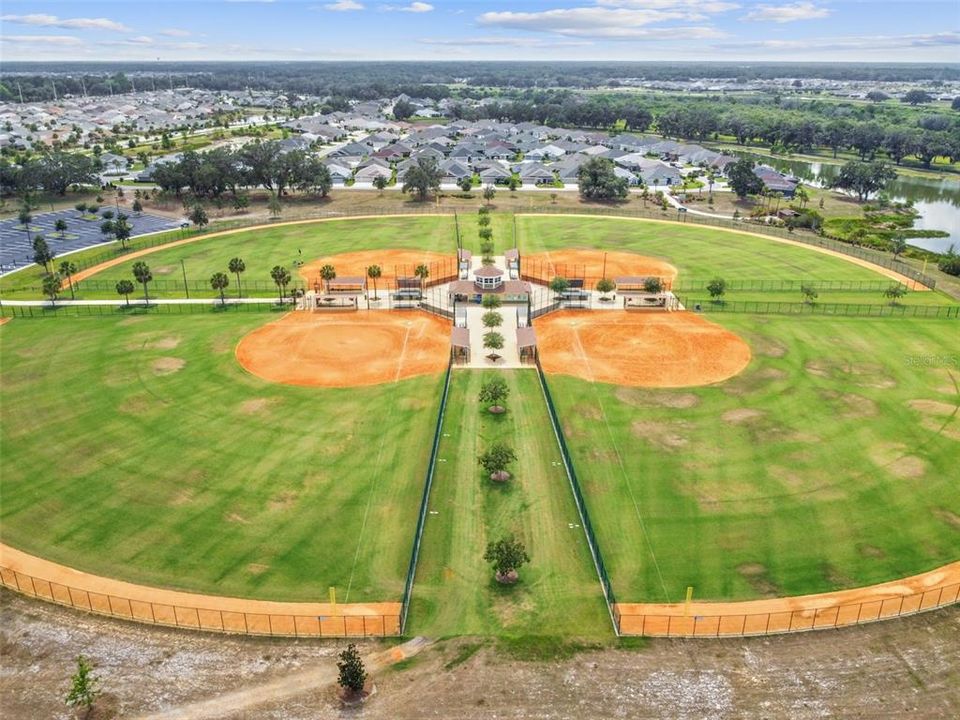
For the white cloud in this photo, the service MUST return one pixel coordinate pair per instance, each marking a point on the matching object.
(142, 40)
(64, 40)
(344, 6)
(617, 19)
(43, 20)
(417, 7)
(176, 32)
(787, 13)
(856, 42)
(494, 41)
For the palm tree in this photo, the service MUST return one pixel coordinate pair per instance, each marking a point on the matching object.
(374, 272)
(67, 269)
(141, 271)
(422, 272)
(237, 266)
(219, 281)
(51, 286)
(125, 287)
(328, 273)
(281, 276)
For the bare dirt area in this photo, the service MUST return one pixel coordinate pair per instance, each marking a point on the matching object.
(393, 264)
(903, 668)
(642, 349)
(346, 349)
(592, 265)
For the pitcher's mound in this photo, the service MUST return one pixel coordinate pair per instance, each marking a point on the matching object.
(347, 349)
(643, 349)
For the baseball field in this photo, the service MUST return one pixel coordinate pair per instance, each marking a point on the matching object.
(266, 456)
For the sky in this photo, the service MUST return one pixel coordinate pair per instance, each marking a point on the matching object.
(639, 30)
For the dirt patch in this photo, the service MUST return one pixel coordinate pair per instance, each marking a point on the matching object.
(4, 320)
(393, 264)
(850, 405)
(235, 518)
(257, 568)
(767, 347)
(167, 365)
(756, 575)
(592, 265)
(283, 501)
(255, 405)
(933, 407)
(184, 496)
(869, 375)
(666, 436)
(590, 412)
(648, 398)
(869, 551)
(346, 350)
(950, 518)
(640, 349)
(165, 343)
(741, 415)
(894, 458)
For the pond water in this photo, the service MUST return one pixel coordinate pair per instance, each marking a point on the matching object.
(937, 200)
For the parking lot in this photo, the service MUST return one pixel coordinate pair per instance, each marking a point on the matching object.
(16, 243)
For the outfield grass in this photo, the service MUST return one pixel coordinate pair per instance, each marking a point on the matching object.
(455, 591)
(830, 462)
(699, 253)
(118, 461)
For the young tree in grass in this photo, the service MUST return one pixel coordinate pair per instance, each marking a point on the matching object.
(122, 230)
(219, 281)
(492, 319)
(653, 285)
(328, 273)
(898, 246)
(274, 206)
(895, 292)
(559, 285)
(489, 193)
(422, 272)
(83, 686)
(281, 276)
(466, 184)
(198, 216)
(513, 184)
(352, 675)
(493, 393)
(237, 266)
(496, 460)
(490, 301)
(51, 286)
(67, 269)
(125, 287)
(717, 289)
(483, 219)
(141, 271)
(380, 183)
(42, 254)
(374, 272)
(605, 286)
(507, 555)
(809, 293)
(61, 227)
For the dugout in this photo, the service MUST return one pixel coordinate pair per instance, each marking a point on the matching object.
(527, 344)
(460, 345)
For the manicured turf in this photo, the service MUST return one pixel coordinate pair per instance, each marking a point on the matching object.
(830, 462)
(700, 253)
(204, 477)
(455, 591)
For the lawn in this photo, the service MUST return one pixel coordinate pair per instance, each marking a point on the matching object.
(138, 448)
(455, 591)
(830, 462)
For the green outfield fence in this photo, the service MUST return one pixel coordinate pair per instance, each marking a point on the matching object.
(424, 501)
(578, 499)
(73, 311)
(818, 308)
